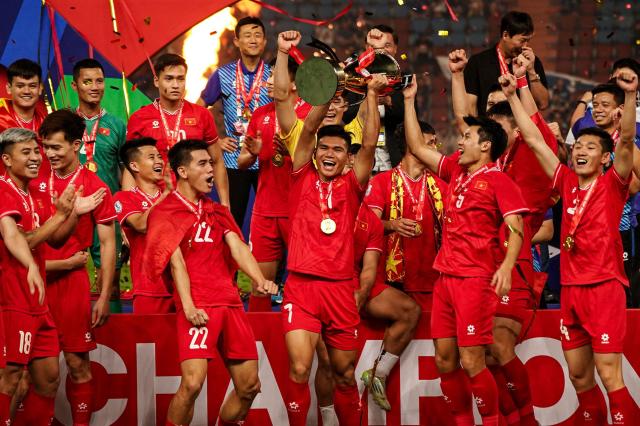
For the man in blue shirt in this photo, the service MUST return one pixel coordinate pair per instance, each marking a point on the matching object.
(234, 103)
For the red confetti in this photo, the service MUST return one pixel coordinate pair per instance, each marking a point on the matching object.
(215, 32)
(134, 87)
(443, 90)
(451, 12)
(424, 7)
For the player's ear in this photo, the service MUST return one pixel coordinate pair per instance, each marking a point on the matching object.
(134, 167)
(155, 81)
(76, 145)
(182, 172)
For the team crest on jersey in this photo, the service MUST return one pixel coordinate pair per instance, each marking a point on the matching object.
(104, 131)
(42, 187)
(363, 225)
(190, 121)
(145, 204)
(266, 119)
(118, 206)
(481, 185)
(155, 124)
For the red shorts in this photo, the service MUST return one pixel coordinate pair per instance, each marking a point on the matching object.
(593, 314)
(463, 308)
(70, 306)
(422, 298)
(146, 305)
(29, 337)
(377, 289)
(228, 331)
(269, 237)
(3, 346)
(517, 304)
(317, 305)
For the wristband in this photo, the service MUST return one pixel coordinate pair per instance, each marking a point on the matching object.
(522, 82)
(296, 54)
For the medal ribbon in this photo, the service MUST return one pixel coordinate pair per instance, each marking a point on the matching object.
(364, 61)
(171, 141)
(192, 209)
(25, 196)
(460, 186)
(71, 182)
(325, 201)
(243, 98)
(23, 123)
(150, 200)
(419, 204)
(580, 208)
(89, 140)
(504, 68)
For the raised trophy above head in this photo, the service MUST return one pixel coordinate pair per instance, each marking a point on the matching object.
(319, 80)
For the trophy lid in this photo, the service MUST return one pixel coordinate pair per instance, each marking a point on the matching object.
(316, 81)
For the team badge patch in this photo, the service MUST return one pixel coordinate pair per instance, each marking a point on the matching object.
(104, 131)
(191, 121)
(481, 185)
(118, 206)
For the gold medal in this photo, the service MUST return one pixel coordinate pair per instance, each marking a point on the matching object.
(277, 159)
(328, 226)
(246, 114)
(569, 242)
(92, 166)
(418, 229)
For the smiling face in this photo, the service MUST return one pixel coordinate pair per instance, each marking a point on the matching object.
(337, 108)
(199, 172)
(606, 111)
(331, 156)
(251, 40)
(588, 157)
(25, 92)
(148, 164)
(60, 152)
(171, 82)
(470, 147)
(23, 159)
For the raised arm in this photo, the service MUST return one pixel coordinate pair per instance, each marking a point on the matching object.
(363, 163)
(412, 131)
(539, 92)
(285, 108)
(623, 159)
(307, 141)
(528, 129)
(520, 65)
(457, 62)
(220, 178)
(247, 263)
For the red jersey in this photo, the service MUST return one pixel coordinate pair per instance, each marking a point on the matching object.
(125, 204)
(9, 119)
(597, 252)
(418, 253)
(474, 210)
(82, 236)
(28, 214)
(312, 252)
(368, 235)
(272, 196)
(196, 122)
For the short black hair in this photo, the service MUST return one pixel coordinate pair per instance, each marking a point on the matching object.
(501, 109)
(401, 140)
(606, 142)
(169, 60)
(249, 20)
(65, 121)
(626, 63)
(355, 148)
(180, 154)
(388, 30)
(491, 131)
(516, 23)
(24, 68)
(495, 87)
(86, 63)
(613, 89)
(335, 130)
(14, 135)
(292, 66)
(130, 150)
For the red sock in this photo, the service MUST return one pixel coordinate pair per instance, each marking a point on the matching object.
(346, 401)
(592, 409)
(38, 410)
(457, 394)
(518, 383)
(623, 408)
(297, 399)
(259, 303)
(5, 409)
(80, 397)
(485, 393)
(508, 408)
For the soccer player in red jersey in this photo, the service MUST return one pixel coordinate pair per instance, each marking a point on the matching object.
(479, 199)
(204, 238)
(270, 217)
(144, 162)
(31, 336)
(171, 118)
(409, 200)
(24, 109)
(593, 315)
(319, 294)
(61, 134)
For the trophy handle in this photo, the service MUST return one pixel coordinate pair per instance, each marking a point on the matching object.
(324, 48)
